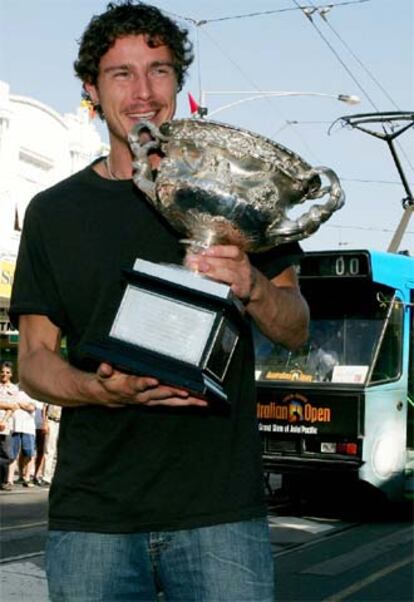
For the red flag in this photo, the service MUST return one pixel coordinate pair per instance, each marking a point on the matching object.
(193, 104)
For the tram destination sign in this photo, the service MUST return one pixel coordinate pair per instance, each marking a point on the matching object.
(355, 264)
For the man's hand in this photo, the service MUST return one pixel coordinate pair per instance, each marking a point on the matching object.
(276, 305)
(118, 389)
(227, 264)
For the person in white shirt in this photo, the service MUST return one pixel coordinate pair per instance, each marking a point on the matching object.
(23, 437)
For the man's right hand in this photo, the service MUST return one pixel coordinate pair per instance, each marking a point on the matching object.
(118, 388)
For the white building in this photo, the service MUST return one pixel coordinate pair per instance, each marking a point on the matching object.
(38, 147)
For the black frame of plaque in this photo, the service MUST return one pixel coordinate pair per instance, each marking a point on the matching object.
(205, 379)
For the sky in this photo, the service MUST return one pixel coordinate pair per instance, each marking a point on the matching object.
(359, 47)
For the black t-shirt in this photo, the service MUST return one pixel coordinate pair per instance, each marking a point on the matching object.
(134, 468)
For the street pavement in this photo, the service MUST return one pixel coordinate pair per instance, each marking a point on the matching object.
(23, 581)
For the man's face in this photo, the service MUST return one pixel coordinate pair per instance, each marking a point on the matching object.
(135, 82)
(5, 375)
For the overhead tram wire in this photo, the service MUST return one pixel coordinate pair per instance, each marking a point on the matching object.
(323, 16)
(360, 63)
(197, 23)
(308, 14)
(315, 9)
(201, 22)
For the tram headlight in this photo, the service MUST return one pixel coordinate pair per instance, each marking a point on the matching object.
(386, 455)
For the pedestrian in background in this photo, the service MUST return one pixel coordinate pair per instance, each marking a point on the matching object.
(8, 404)
(53, 414)
(23, 440)
(41, 423)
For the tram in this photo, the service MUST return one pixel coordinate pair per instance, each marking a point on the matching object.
(342, 405)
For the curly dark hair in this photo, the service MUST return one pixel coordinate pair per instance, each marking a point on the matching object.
(131, 18)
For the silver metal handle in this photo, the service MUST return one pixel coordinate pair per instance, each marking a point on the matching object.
(289, 230)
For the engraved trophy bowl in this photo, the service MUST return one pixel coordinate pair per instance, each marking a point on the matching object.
(219, 184)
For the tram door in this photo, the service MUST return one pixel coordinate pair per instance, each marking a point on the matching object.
(409, 483)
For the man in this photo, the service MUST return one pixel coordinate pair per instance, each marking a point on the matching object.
(23, 439)
(153, 489)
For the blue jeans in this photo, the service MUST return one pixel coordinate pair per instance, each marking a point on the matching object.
(224, 563)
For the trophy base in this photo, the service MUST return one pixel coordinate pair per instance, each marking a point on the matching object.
(133, 360)
(174, 325)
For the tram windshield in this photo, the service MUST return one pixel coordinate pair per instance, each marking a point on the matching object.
(355, 332)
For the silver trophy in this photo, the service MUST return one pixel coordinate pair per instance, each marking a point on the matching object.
(219, 184)
(215, 184)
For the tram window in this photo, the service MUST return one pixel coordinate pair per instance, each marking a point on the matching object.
(346, 325)
(388, 364)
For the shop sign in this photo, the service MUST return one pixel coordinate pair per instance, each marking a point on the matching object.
(7, 268)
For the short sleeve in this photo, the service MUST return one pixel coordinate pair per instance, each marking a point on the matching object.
(274, 261)
(34, 288)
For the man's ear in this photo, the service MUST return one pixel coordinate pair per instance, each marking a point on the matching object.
(92, 92)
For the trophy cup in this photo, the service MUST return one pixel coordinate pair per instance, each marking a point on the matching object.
(215, 184)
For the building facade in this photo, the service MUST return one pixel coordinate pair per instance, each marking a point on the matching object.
(38, 147)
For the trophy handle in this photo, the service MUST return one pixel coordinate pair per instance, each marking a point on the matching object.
(143, 176)
(287, 230)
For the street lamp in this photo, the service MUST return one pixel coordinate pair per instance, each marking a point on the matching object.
(254, 95)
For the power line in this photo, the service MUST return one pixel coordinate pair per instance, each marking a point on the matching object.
(323, 14)
(201, 22)
(308, 12)
(314, 9)
(360, 63)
